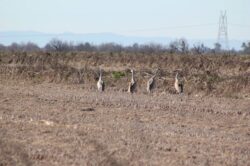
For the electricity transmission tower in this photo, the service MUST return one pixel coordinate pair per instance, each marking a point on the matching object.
(223, 33)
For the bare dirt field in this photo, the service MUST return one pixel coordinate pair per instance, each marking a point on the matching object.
(62, 124)
(51, 113)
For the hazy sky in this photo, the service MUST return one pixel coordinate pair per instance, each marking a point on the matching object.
(129, 17)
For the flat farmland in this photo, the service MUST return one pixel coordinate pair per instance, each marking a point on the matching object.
(52, 114)
(58, 124)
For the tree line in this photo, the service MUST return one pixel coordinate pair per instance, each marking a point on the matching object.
(180, 46)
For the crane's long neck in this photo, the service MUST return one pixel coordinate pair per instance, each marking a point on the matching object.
(154, 76)
(132, 79)
(100, 78)
(177, 77)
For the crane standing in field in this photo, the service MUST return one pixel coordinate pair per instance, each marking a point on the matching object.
(100, 83)
(178, 84)
(151, 82)
(132, 83)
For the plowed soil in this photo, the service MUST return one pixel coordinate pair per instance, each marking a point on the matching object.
(60, 124)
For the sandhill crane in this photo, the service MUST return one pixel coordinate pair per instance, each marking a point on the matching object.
(132, 83)
(100, 83)
(151, 82)
(178, 84)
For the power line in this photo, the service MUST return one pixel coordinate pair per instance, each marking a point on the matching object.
(35, 35)
(222, 29)
(239, 25)
(170, 27)
(128, 30)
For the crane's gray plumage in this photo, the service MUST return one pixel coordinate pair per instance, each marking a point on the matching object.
(178, 84)
(100, 83)
(151, 82)
(132, 83)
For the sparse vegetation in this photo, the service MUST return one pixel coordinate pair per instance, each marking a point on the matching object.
(60, 124)
(246, 47)
(117, 75)
(50, 113)
(207, 74)
(180, 46)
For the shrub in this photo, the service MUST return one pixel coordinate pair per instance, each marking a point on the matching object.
(117, 74)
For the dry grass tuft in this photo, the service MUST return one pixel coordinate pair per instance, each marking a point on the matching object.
(220, 75)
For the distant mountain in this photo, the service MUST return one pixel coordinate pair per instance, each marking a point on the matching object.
(8, 37)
